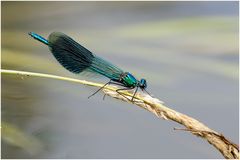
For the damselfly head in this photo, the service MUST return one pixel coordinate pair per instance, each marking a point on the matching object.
(143, 84)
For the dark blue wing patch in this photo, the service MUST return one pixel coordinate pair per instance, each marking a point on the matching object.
(70, 54)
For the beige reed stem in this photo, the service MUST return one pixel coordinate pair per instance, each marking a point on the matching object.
(228, 149)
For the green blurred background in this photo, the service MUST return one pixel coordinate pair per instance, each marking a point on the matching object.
(187, 51)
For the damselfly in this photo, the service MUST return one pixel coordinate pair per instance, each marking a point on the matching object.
(77, 59)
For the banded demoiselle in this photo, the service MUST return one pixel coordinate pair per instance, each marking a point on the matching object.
(77, 59)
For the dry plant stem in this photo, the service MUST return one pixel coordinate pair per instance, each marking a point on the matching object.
(228, 149)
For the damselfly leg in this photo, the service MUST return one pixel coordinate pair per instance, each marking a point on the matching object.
(99, 89)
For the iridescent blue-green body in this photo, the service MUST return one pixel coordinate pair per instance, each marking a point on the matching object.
(77, 59)
(39, 38)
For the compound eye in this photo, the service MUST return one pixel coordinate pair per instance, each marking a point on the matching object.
(143, 83)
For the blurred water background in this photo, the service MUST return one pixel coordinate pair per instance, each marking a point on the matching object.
(187, 51)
